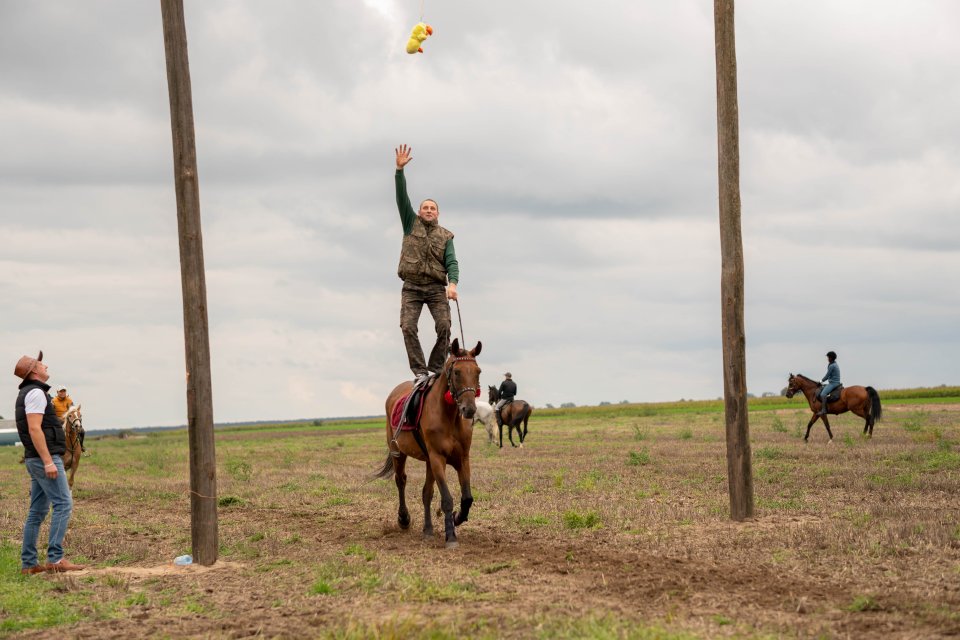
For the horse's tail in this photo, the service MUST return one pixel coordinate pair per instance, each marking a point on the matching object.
(528, 413)
(386, 470)
(876, 411)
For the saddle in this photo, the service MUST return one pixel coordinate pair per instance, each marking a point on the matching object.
(407, 410)
(834, 395)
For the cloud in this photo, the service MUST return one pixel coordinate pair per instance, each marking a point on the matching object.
(572, 149)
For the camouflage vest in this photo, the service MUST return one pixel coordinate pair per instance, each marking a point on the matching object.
(421, 258)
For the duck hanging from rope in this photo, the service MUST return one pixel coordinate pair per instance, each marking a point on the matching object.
(421, 31)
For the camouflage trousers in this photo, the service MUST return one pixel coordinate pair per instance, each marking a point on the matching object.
(413, 297)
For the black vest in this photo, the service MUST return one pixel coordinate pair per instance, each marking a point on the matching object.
(51, 425)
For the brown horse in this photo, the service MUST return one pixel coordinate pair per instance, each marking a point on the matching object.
(73, 428)
(863, 401)
(447, 432)
(513, 414)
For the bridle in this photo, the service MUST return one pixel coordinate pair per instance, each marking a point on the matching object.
(75, 423)
(454, 394)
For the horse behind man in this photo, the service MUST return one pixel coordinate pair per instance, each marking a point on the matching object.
(73, 428)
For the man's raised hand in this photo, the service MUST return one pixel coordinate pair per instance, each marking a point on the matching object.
(403, 156)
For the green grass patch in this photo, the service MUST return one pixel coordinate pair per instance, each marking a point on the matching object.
(30, 602)
(638, 458)
(533, 521)
(640, 432)
(577, 520)
(230, 501)
(768, 453)
(320, 588)
(863, 603)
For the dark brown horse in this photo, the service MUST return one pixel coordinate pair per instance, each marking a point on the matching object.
(863, 401)
(513, 414)
(447, 428)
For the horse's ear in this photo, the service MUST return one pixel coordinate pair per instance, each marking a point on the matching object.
(476, 349)
(455, 347)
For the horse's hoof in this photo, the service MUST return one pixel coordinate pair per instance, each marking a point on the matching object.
(452, 544)
(427, 537)
(403, 524)
(521, 445)
(830, 441)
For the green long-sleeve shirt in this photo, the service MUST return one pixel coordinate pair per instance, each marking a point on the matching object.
(408, 215)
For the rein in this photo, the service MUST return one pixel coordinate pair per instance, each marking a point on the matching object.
(75, 426)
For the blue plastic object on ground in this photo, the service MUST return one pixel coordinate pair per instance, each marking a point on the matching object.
(183, 560)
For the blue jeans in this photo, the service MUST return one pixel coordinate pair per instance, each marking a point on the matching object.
(828, 389)
(43, 493)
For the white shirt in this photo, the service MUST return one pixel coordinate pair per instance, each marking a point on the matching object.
(36, 401)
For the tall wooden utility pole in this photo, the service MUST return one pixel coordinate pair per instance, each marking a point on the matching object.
(203, 460)
(739, 471)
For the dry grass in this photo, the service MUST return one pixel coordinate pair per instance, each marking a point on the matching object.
(602, 526)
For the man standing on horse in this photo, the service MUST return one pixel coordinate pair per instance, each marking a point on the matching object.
(44, 442)
(430, 272)
(507, 392)
(830, 381)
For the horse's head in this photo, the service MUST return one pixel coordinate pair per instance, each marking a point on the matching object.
(463, 378)
(793, 385)
(492, 394)
(73, 418)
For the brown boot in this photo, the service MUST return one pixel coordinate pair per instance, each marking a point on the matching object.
(64, 565)
(29, 571)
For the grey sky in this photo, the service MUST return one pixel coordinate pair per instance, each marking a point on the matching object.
(572, 149)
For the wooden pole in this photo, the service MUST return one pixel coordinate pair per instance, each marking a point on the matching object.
(203, 461)
(739, 472)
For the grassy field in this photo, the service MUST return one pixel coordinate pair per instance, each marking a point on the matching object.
(611, 523)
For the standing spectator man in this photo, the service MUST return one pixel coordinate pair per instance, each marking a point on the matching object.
(44, 442)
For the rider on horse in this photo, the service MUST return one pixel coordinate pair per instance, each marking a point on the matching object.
(429, 270)
(507, 392)
(62, 402)
(830, 381)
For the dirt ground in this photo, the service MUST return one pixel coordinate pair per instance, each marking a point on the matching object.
(609, 528)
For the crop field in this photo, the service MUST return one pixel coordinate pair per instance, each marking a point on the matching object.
(611, 522)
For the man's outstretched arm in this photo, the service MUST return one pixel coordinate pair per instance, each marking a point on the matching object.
(407, 214)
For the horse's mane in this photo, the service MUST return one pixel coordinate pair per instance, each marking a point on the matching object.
(800, 375)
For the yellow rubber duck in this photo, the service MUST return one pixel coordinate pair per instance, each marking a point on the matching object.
(420, 33)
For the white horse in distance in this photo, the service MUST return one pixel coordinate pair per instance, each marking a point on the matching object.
(485, 416)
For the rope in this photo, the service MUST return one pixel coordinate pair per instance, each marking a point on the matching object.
(463, 341)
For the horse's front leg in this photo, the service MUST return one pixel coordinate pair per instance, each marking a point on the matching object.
(438, 464)
(427, 499)
(510, 434)
(826, 423)
(466, 498)
(816, 416)
(400, 475)
(500, 427)
(73, 466)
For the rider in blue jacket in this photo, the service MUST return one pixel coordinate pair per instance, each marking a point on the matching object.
(830, 381)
